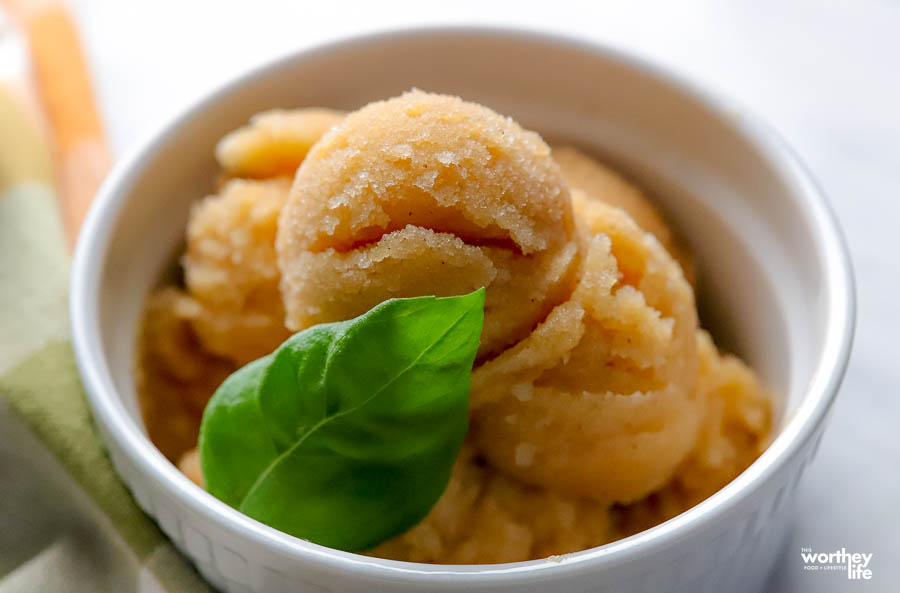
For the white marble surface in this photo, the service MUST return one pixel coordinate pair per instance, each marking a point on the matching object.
(825, 74)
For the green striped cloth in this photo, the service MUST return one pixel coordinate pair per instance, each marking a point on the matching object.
(67, 523)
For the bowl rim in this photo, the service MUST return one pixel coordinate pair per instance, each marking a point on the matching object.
(110, 412)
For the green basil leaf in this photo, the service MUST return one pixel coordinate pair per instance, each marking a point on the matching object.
(347, 433)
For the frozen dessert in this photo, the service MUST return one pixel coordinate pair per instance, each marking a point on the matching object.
(599, 400)
(176, 372)
(598, 407)
(428, 194)
(274, 143)
(231, 271)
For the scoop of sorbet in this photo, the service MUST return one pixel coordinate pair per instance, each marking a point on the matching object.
(231, 272)
(274, 143)
(427, 194)
(599, 401)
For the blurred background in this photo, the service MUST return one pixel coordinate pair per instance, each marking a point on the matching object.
(824, 74)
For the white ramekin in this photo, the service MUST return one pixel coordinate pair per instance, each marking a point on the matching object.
(775, 284)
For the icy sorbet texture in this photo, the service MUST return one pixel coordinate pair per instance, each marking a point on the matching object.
(598, 406)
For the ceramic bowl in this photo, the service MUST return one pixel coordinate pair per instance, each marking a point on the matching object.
(775, 285)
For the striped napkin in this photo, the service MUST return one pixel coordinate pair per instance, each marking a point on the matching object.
(67, 524)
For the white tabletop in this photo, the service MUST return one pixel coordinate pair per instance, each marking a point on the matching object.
(826, 74)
